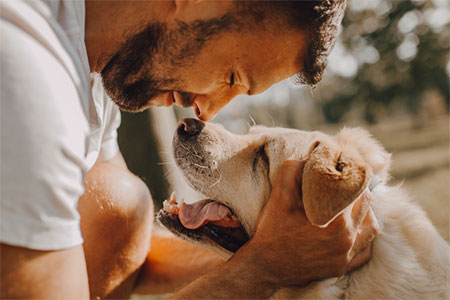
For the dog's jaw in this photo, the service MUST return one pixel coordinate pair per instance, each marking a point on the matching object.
(224, 241)
(215, 153)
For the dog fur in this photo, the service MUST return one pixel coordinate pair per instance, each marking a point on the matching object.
(410, 260)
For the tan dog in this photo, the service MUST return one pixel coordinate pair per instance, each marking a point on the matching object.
(409, 258)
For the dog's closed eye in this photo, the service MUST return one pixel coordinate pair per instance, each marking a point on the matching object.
(261, 154)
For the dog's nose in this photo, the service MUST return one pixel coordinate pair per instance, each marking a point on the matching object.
(190, 127)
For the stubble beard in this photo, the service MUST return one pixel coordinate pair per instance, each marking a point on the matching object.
(128, 77)
(132, 76)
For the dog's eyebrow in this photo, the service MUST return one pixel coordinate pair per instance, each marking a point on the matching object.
(264, 155)
(261, 153)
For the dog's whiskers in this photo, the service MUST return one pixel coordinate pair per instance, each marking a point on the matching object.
(252, 119)
(200, 166)
(195, 153)
(217, 181)
(168, 171)
(184, 147)
(198, 156)
(272, 119)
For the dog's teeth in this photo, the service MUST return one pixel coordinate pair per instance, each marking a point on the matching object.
(173, 198)
(180, 202)
(233, 217)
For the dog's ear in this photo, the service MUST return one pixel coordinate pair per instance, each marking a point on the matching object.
(373, 153)
(333, 177)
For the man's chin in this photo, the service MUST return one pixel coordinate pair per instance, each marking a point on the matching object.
(135, 97)
(132, 108)
(136, 104)
(130, 105)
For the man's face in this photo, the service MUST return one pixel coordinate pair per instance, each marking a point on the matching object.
(180, 65)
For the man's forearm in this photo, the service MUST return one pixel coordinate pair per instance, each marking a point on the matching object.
(238, 278)
(56, 274)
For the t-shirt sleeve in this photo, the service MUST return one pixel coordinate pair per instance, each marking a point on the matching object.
(43, 132)
(109, 147)
(110, 119)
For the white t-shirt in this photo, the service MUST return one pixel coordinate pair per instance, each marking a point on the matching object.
(56, 121)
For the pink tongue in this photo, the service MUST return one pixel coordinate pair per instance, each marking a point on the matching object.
(195, 215)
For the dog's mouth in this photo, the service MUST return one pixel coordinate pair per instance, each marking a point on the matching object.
(204, 219)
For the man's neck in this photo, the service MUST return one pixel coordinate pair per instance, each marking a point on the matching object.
(110, 23)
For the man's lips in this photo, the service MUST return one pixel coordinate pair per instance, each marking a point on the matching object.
(162, 99)
(169, 99)
(178, 98)
(183, 99)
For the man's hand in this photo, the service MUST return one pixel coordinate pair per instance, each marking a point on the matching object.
(287, 249)
(291, 251)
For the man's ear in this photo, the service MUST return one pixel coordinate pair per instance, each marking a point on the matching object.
(332, 179)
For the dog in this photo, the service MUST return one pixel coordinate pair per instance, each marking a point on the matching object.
(410, 260)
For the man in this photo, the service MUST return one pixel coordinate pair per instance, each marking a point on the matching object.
(59, 129)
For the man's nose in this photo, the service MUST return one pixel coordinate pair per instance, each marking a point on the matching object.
(206, 108)
(190, 127)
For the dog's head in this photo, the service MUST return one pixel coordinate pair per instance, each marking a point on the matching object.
(236, 173)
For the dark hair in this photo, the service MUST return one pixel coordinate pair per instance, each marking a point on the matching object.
(320, 20)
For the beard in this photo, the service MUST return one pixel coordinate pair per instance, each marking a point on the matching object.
(127, 77)
(131, 76)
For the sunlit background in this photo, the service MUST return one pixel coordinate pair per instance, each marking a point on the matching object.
(389, 73)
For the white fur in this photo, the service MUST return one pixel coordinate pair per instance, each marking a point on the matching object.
(410, 260)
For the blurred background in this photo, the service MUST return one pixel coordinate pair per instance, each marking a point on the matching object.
(389, 72)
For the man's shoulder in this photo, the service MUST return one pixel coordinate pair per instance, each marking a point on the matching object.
(42, 104)
(36, 68)
(36, 46)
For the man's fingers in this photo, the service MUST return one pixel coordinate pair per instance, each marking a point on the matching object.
(360, 259)
(360, 209)
(290, 174)
(366, 234)
(287, 188)
(352, 224)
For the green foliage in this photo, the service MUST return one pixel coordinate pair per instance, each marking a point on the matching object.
(402, 50)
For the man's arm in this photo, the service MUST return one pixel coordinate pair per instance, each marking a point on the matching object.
(116, 221)
(57, 274)
(173, 263)
(29, 273)
(241, 277)
(286, 249)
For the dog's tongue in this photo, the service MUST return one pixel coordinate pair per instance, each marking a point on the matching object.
(195, 215)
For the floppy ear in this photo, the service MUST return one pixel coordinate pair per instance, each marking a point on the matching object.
(333, 177)
(368, 147)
